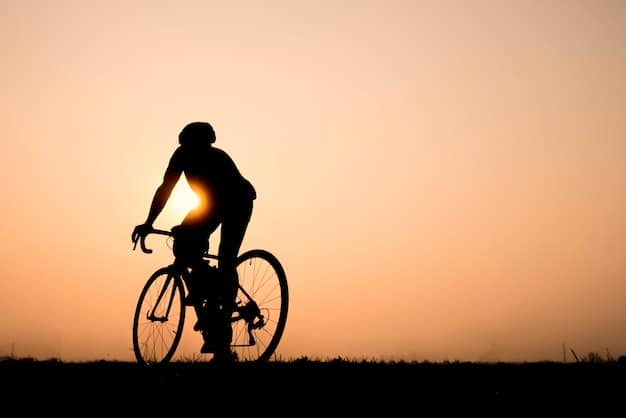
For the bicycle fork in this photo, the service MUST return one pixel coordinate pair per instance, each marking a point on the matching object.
(150, 315)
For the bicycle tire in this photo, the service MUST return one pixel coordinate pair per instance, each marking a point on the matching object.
(158, 321)
(262, 277)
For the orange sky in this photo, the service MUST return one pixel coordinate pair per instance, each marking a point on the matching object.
(441, 180)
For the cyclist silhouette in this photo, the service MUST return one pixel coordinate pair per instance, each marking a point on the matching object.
(226, 199)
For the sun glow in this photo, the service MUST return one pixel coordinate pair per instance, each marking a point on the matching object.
(183, 199)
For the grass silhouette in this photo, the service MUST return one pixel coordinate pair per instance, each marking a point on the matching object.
(323, 385)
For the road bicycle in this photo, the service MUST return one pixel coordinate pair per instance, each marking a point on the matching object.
(258, 321)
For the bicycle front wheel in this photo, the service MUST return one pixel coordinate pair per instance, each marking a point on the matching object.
(262, 304)
(159, 317)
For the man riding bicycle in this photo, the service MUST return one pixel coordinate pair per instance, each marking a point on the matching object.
(226, 199)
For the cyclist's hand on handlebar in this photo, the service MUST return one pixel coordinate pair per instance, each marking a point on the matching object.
(140, 233)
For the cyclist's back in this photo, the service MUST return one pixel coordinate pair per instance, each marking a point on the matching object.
(215, 179)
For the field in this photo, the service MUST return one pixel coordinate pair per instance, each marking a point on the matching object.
(316, 386)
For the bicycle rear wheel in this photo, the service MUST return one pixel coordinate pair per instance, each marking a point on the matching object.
(159, 317)
(262, 304)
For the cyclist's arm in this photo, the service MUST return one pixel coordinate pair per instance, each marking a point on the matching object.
(163, 192)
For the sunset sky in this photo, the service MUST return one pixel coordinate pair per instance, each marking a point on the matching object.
(442, 180)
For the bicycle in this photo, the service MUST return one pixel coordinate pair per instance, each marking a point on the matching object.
(258, 321)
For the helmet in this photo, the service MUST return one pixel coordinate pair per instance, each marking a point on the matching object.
(197, 133)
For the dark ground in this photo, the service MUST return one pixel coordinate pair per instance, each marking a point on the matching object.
(305, 387)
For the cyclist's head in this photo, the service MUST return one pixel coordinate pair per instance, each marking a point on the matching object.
(197, 133)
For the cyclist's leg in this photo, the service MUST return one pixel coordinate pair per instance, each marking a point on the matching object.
(191, 241)
(234, 226)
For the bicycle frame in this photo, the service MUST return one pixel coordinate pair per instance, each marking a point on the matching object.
(248, 312)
